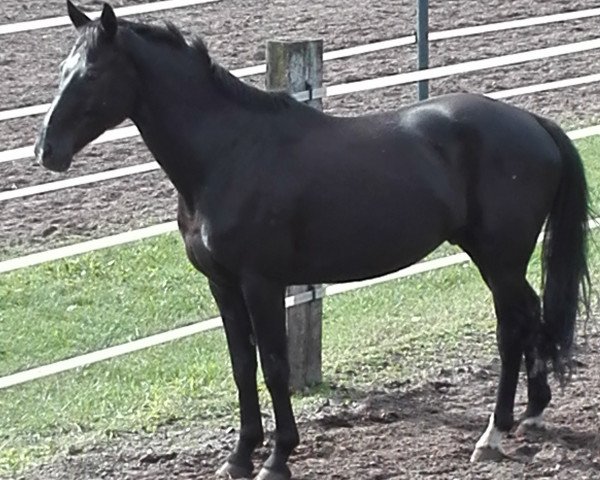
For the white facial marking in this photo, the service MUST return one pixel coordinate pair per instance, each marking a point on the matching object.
(72, 65)
(50, 111)
(491, 439)
(71, 62)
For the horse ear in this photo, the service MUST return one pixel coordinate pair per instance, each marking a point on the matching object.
(78, 18)
(108, 20)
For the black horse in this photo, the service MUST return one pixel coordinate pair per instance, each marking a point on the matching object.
(273, 193)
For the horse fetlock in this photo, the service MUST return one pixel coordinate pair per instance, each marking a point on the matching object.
(503, 422)
(250, 438)
(286, 443)
(535, 408)
(539, 399)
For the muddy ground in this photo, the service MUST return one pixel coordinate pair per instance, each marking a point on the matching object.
(399, 431)
(424, 430)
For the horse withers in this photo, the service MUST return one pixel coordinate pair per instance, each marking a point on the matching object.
(273, 193)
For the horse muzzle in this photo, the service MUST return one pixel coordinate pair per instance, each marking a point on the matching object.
(50, 156)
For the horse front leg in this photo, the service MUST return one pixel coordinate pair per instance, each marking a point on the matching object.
(242, 351)
(265, 302)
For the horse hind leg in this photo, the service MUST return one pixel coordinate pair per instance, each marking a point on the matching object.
(538, 390)
(513, 312)
(518, 322)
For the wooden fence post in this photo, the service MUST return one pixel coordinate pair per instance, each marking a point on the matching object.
(298, 67)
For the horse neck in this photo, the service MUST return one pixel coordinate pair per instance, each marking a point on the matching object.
(182, 117)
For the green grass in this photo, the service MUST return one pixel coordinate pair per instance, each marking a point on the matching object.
(57, 310)
(67, 307)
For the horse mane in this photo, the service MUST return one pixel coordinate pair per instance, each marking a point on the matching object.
(226, 82)
(169, 34)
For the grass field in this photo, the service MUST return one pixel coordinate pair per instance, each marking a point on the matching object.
(65, 308)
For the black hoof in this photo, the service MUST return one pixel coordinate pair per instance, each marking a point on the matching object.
(530, 424)
(266, 474)
(487, 454)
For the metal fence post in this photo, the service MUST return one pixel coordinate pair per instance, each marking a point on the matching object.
(297, 67)
(423, 45)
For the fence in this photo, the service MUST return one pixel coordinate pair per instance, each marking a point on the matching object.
(121, 12)
(312, 295)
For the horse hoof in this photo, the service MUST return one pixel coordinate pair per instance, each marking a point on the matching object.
(266, 474)
(487, 454)
(530, 424)
(233, 472)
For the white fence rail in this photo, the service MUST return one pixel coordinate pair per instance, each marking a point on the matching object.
(86, 247)
(544, 87)
(462, 68)
(11, 28)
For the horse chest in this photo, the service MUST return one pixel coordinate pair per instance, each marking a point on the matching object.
(195, 234)
(197, 249)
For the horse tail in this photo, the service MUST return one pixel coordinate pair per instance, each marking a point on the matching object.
(565, 274)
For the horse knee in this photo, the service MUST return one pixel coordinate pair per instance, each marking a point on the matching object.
(244, 376)
(276, 372)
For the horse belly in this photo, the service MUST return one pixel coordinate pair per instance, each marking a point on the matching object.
(365, 240)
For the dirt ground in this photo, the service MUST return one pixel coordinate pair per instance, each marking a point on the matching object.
(421, 431)
(415, 431)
